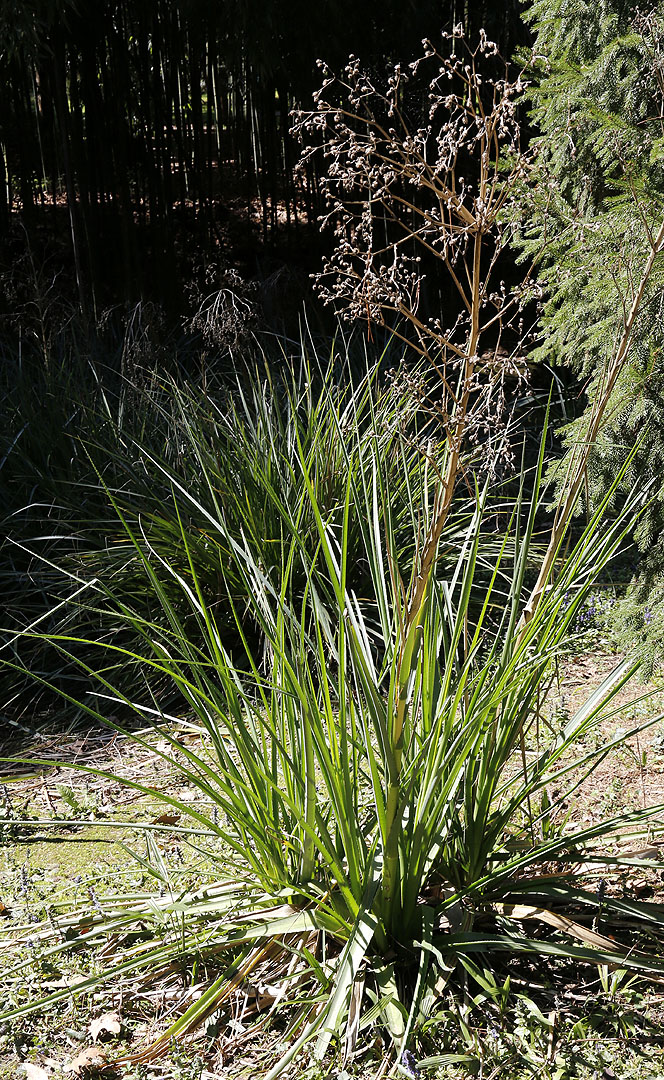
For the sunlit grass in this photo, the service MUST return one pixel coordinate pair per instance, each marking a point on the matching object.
(373, 771)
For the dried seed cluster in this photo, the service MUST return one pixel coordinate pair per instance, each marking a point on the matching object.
(417, 175)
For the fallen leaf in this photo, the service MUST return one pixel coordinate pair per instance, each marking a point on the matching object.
(75, 931)
(105, 1026)
(92, 1058)
(166, 819)
(558, 921)
(643, 890)
(35, 1072)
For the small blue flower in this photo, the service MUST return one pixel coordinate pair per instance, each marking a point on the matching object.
(409, 1065)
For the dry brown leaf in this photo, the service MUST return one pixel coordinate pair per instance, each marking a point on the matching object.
(649, 853)
(89, 1060)
(166, 819)
(105, 1026)
(35, 1072)
(643, 890)
(353, 1025)
(560, 922)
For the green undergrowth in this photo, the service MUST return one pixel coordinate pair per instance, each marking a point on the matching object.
(110, 442)
(366, 859)
(519, 1018)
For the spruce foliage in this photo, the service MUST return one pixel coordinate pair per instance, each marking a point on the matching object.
(595, 202)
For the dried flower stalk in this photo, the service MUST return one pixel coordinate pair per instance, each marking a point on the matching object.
(409, 199)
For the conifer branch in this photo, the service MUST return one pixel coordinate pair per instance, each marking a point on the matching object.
(577, 465)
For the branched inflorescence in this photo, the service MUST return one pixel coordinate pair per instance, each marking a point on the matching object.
(416, 177)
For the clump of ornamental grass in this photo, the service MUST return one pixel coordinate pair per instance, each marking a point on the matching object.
(375, 785)
(232, 443)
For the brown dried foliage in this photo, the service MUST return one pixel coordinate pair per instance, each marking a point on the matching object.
(405, 197)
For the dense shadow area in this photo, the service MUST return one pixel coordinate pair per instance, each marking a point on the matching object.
(139, 138)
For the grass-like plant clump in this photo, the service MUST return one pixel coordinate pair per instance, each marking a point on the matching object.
(109, 444)
(375, 774)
